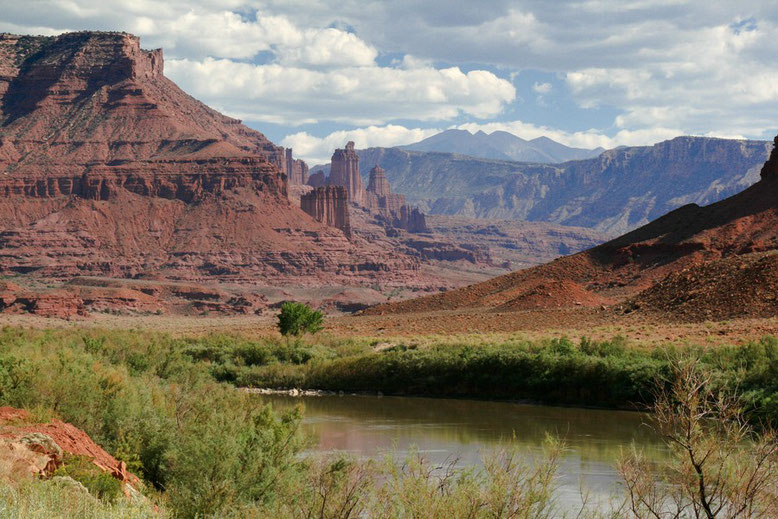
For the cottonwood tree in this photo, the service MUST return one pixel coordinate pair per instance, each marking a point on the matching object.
(297, 319)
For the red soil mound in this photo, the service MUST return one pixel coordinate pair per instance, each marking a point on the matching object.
(738, 286)
(68, 437)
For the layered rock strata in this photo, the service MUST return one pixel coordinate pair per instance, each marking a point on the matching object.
(107, 168)
(695, 263)
(615, 192)
(392, 206)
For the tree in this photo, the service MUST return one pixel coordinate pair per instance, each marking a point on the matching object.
(720, 466)
(297, 319)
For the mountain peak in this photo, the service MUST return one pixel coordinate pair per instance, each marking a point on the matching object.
(501, 145)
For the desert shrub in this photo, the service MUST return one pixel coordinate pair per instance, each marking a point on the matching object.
(94, 345)
(274, 376)
(719, 464)
(254, 354)
(615, 347)
(562, 346)
(99, 484)
(751, 369)
(17, 377)
(508, 485)
(555, 373)
(228, 463)
(146, 413)
(158, 402)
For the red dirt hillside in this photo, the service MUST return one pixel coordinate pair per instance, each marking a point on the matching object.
(686, 238)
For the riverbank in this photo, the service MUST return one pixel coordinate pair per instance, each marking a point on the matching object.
(167, 405)
(609, 374)
(617, 373)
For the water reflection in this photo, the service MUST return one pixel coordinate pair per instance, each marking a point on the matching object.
(447, 429)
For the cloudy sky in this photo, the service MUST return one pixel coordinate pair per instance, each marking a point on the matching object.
(313, 74)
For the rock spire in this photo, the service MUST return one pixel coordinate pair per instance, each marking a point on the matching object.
(345, 172)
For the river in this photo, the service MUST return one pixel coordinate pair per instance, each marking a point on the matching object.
(446, 430)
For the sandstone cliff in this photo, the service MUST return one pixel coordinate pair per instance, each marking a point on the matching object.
(296, 170)
(391, 206)
(344, 171)
(107, 168)
(328, 205)
(378, 184)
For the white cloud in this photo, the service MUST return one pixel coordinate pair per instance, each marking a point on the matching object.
(353, 95)
(696, 67)
(701, 66)
(318, 150)
(541, 88)
(329, 47)
(308, 74)
(715, 80)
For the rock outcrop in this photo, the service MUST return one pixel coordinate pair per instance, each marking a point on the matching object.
(317, 179)
(29, 449)
(328, 205)
(377, 184)
(769, 171)
(391, 206)
(108, 169)
(83, 296)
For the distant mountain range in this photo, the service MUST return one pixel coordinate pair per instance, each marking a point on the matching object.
(615, 192)
(693, 264)
(502, 146)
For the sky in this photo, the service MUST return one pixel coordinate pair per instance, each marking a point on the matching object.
(313, 74)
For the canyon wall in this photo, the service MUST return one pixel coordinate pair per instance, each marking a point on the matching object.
(108, 169)
(296, 169)
(391, 206)
(617, 191)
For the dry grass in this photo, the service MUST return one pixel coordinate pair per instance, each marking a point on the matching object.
(442, 327)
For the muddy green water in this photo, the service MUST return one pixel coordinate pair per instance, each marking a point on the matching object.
(445, 430)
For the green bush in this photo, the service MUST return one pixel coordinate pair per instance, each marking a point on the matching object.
(150, 413)
(55, 499)
(297, 319)
(228, 463)
(161, 404)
